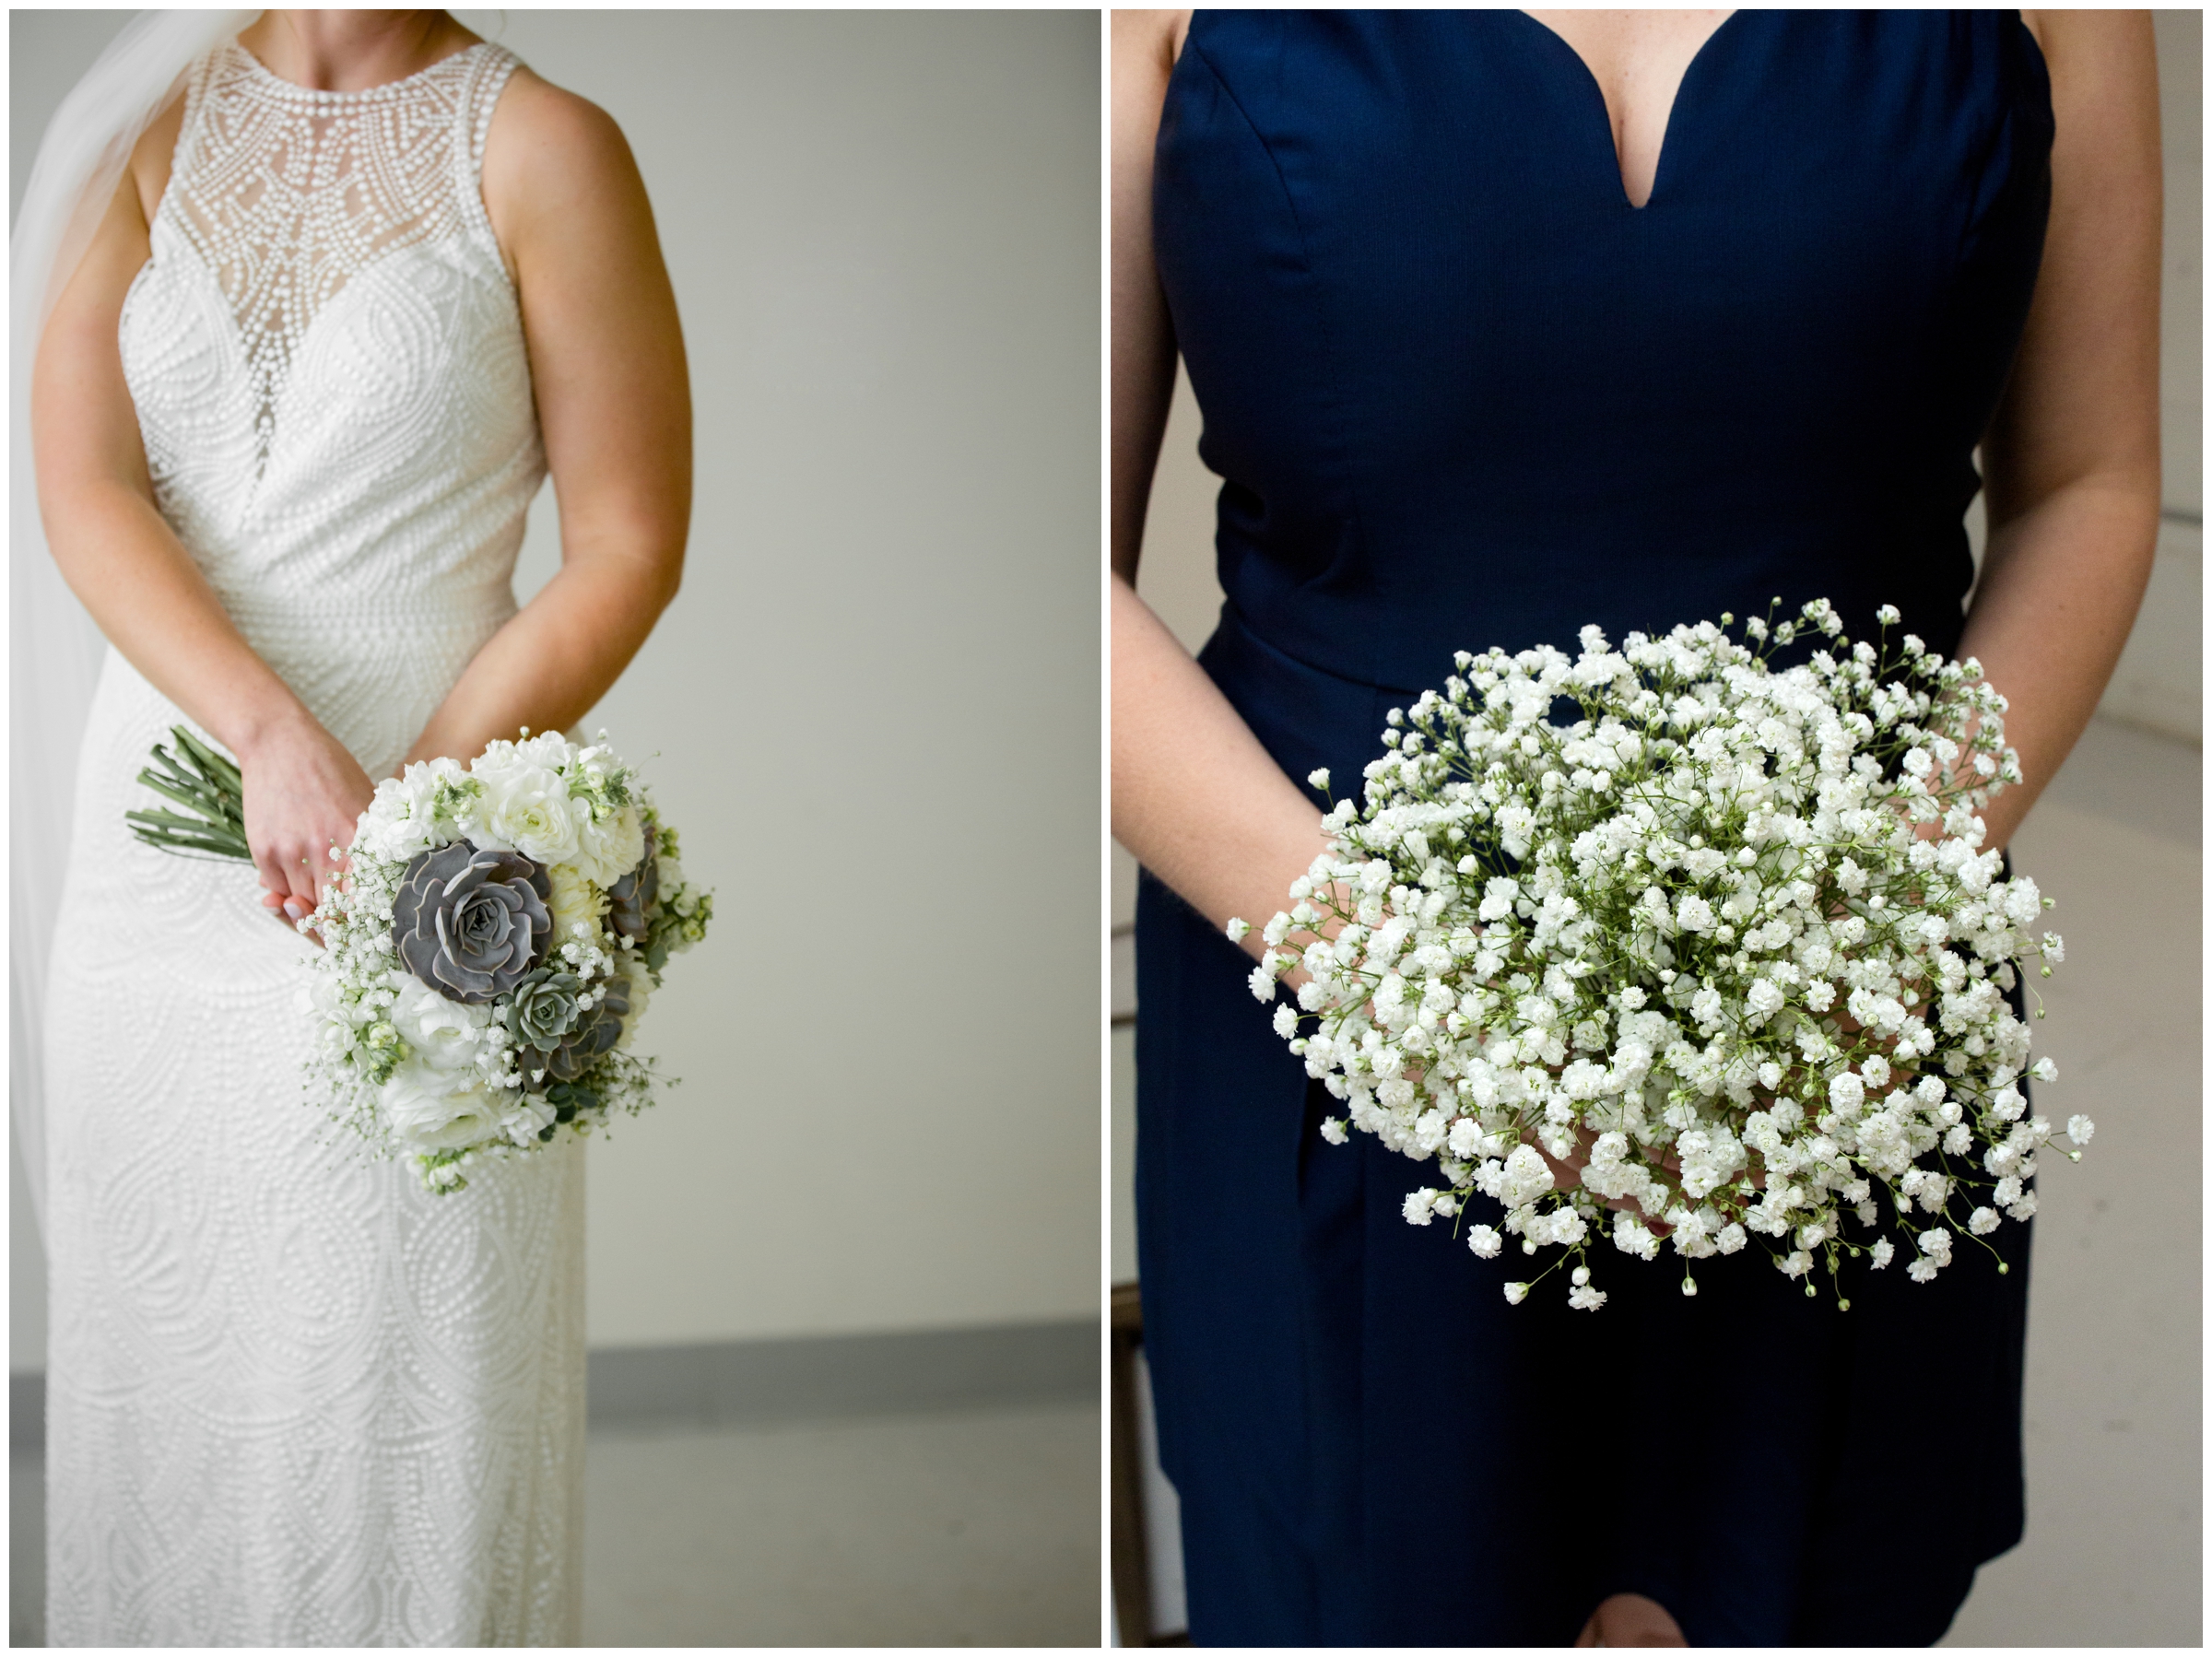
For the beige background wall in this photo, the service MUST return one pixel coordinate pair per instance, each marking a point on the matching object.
(873, 711)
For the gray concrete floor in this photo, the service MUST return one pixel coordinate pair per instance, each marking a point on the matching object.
(949, 1529)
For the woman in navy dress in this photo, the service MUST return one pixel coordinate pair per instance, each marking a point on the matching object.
(1502, 324)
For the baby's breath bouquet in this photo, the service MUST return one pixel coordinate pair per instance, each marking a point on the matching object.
(489, 951)
(1729, 943)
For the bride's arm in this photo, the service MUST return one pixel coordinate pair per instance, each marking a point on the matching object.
(302, 789)
(607, 362)
(2072, 457)
(1195, 797)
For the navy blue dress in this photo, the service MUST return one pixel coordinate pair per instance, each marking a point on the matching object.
(1462, 394)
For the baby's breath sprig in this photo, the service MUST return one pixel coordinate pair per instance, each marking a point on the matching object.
(1729, 942)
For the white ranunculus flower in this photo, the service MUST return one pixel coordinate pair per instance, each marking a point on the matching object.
(526, 807)
(605, 850)
(429, 1109)
(443, 1033)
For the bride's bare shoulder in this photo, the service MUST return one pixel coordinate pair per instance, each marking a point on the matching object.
(550, 154)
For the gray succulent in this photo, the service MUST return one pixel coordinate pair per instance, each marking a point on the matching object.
(630, 899)
(471, 923)
(544, 1009)
(595, 1032)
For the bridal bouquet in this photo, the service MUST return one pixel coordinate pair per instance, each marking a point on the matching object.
(1730, 942)
(490, 949)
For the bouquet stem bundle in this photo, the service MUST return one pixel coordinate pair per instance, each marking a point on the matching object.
(206, 783)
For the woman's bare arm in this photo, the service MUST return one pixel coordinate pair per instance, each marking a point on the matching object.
(1195, 797)
(302, 789)
(2072, 457)
(614, 402)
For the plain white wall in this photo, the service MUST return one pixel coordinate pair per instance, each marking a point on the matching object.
(874, 710)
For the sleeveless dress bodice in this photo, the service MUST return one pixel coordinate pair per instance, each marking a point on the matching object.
(293, 1399)
(1449, 375)
(326, 354)
(1461, 394)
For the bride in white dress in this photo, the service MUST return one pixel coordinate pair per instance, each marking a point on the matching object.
(364, 282)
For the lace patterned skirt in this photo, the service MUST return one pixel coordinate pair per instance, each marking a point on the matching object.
(291, 1399)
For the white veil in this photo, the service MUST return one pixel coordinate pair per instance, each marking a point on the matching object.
(54, 650)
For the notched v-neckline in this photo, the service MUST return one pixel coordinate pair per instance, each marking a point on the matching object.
(1674, 104)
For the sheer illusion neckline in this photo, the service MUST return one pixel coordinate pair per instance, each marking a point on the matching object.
(266, 77)
(1674, 104)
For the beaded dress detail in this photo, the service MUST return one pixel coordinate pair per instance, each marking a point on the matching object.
(292, 1399)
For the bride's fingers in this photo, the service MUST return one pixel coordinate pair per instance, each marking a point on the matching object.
(276, 886)
(288, 872)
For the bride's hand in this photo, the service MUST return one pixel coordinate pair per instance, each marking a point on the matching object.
(304, 793)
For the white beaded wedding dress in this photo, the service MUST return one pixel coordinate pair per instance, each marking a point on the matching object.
(293, 1400)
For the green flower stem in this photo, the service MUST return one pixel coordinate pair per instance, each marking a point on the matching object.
(205, 781)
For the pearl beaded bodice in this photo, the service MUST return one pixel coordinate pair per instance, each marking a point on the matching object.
(327, 357)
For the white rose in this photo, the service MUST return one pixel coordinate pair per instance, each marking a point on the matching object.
(607, 850)
(430, 1110)
(525, 808)
(443, 1034)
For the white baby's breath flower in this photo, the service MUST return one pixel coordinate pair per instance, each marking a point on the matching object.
(1734, 934)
